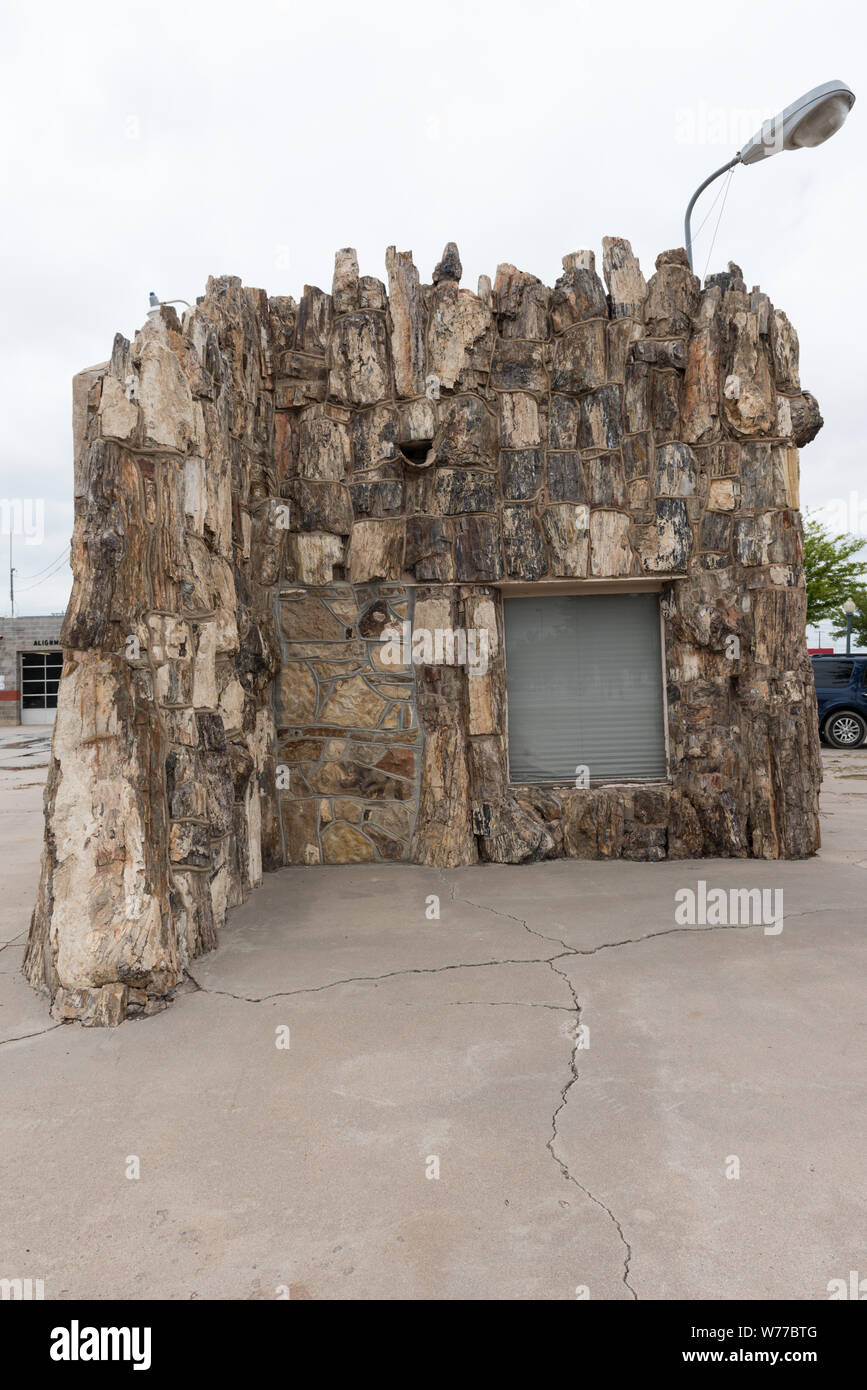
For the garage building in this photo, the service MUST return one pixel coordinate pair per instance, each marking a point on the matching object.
(31, 661)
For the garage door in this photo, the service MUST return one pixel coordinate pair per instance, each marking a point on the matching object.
(584, 681)
(40, 674)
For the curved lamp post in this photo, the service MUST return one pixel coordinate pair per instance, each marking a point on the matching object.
(809, 121)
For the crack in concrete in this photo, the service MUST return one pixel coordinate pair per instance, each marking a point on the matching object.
(13, 939)
(508, 1004)
(652, 935)
(575, 1008)
(693, 930)
(512, 918)
(370, 979)
(38, 1034)
(564, 1094)
(647, 936)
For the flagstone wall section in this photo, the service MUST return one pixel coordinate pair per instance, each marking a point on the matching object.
(348, 736)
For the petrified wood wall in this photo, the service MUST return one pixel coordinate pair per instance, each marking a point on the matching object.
(463, 442)
(161, 807)
(261, 491)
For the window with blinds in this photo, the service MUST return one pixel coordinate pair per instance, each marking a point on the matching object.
(584, 681)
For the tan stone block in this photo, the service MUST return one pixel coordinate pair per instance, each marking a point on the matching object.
(308, 618)
(204, 669)
(432, 615)
(385, 668)
(298, 693)
(610, 551)
(457, 320)
(165, 397)
(118, 415)
(626, 284)
(324, 450)
(481, 704)
(406, 306)
(343, 844)
(566, 529)
(394, 692)
(519, 421)
(232, 705)
(312, 556)
(394, 820)
(354, 704)
(358, 359)
(722, 495)
(376, 550)
(748, 392)
(639, 495)
(300, 829)
(325, 670)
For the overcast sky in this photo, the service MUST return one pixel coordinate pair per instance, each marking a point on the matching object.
(147, 146)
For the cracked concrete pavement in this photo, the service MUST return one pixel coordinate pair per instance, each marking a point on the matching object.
(584, 1070)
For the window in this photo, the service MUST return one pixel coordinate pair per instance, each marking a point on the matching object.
(584, 681)
(833, 675)
(40, 676)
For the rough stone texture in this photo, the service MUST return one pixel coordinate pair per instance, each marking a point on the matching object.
(161, 805)
(268, 493)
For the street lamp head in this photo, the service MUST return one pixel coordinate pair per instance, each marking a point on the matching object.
(850, 607)
(809, 121)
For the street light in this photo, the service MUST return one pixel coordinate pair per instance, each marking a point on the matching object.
(809, 121)
(849, 608)
(154, 304)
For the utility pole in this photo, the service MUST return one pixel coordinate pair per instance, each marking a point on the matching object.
(11, 580)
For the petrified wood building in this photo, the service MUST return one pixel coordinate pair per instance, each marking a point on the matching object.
(427, 575)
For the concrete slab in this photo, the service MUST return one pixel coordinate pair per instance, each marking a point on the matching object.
(562, 1166)
(24, 755)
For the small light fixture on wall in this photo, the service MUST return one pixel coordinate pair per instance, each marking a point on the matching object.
(809, 121)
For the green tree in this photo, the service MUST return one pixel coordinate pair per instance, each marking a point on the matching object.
(832, 572)
(859, 622)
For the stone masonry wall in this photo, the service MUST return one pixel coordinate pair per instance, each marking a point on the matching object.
(347, 726)
(263, 491)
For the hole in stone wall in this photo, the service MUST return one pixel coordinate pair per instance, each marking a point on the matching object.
(416, 451)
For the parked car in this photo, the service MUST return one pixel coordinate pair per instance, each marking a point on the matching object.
(841, 694)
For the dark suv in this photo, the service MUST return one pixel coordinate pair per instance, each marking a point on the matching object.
(841, 694)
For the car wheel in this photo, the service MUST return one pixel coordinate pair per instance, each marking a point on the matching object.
(845, 730)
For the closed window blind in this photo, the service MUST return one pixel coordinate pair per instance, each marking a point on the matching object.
(584, 679)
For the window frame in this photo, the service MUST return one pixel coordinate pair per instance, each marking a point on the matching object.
(586, 588)
(35, 679)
